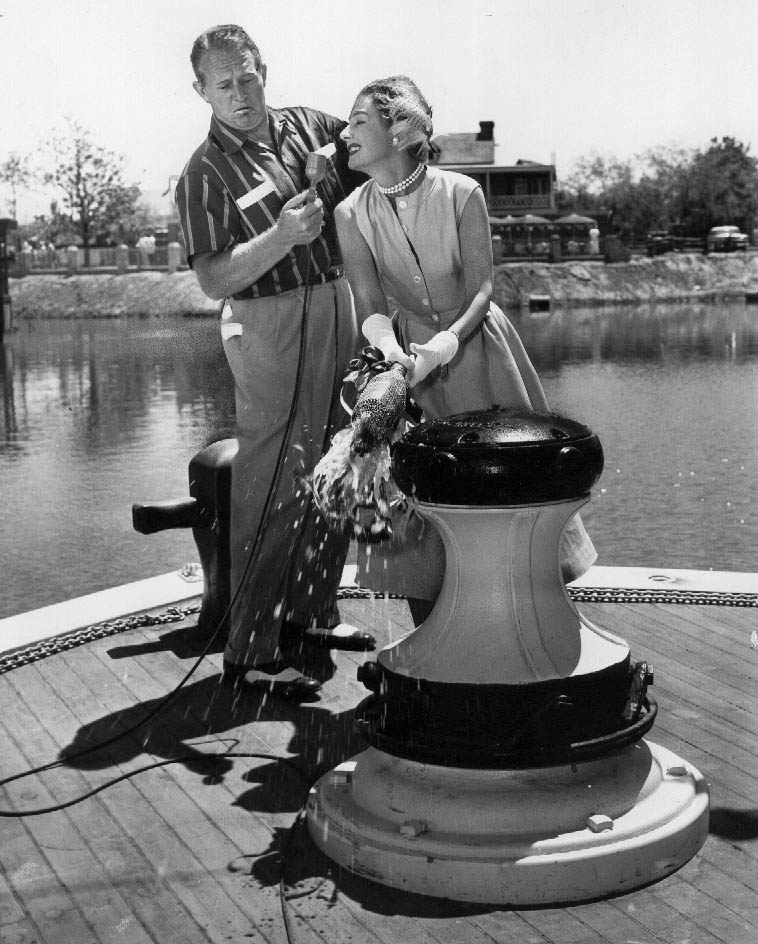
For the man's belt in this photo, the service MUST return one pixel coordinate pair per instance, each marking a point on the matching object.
(336, 272)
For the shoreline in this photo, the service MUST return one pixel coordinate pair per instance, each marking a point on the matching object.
(679, 277)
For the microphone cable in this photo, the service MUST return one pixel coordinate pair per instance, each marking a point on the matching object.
(263, 523)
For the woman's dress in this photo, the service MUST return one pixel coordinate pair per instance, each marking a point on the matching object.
(417, 254)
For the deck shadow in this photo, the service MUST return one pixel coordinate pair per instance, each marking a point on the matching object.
(191, 729)
(309, 876)
(185, 642)
(734, 824)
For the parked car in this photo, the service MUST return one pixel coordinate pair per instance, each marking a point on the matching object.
(658, 242)
(726, 239)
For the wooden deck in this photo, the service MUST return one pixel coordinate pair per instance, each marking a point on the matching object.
(194, 851)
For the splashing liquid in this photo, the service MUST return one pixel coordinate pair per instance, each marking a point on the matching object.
(352, 483)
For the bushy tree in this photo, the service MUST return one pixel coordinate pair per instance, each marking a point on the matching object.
(723, 181)
(95, 196)
(56, 228)
(667, 186)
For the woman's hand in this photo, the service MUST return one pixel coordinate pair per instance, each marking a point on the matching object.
(378, 331)
(441, 349)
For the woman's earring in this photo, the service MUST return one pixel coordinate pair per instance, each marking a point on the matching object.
(394, 141)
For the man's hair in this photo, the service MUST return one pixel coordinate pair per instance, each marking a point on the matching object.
(223, 37)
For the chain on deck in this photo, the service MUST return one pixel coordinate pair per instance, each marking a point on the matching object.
(174, 614)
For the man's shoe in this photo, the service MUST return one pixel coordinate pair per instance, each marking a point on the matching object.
(341, 636)
(275, 678)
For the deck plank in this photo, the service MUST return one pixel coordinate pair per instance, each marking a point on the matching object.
(209, 861)
(30, 876)
(184, 854)
(118, 836)
(72, 856)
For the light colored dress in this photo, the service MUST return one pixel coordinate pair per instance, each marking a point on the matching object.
(417, 254)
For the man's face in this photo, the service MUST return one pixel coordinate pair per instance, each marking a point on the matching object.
(234, 89)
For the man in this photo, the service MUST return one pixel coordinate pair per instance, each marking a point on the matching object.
(254, 237)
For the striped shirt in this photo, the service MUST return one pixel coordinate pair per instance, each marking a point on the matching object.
(233, 189)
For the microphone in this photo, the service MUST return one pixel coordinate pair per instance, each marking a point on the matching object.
(315, 170)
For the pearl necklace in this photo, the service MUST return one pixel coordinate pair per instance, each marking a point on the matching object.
(411, 178)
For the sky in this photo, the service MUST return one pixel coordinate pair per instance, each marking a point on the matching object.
(561, 79)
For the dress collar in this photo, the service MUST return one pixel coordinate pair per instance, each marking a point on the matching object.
(412, 199)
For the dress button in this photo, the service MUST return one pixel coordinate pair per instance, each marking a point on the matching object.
(402, 204)
(436, 319)
(405, 227)
(425, 301)
(408, 252)
(416, 278)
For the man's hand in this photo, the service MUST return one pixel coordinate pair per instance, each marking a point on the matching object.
(300, 222)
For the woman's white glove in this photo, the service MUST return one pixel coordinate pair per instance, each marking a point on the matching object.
(441, 349)
(378, 331)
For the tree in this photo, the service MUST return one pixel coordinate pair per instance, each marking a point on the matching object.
(94, 194)
(723, 184)
(16, 172)
(667, 186)
(600, 186)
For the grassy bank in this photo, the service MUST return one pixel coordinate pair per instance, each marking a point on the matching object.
(668, 278)
(107, 296)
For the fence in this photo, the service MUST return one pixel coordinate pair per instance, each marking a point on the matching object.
(102, 259)
(546, 248)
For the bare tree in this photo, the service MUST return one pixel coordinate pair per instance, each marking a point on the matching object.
(91, 180)
(16, 172)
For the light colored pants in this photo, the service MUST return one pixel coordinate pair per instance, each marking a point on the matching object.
(296, 562)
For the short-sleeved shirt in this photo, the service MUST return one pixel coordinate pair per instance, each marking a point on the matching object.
(233, 189)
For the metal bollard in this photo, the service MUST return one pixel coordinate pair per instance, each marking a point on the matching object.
(6, 305)
(207, 512)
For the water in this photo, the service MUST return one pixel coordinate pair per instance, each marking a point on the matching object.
(98, 414)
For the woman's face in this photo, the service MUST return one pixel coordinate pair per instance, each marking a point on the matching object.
(367, 136)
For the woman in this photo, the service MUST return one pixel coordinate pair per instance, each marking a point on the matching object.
(417, 249)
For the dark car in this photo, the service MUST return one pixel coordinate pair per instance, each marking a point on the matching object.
(726, 239)
(658, 242)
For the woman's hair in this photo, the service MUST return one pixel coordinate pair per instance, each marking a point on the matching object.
(224, 38)
(399, 100)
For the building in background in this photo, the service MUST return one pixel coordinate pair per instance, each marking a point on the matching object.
(526, 187)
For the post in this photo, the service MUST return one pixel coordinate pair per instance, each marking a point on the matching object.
(23, 263)
(497, 249)
(6, 321)
(72, 259)
(122, 258)
(174, 256)
(555, 248)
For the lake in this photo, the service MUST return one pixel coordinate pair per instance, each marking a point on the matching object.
(98, 414)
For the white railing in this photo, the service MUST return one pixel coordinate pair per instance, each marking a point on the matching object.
(521, 202)
(74, 259)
